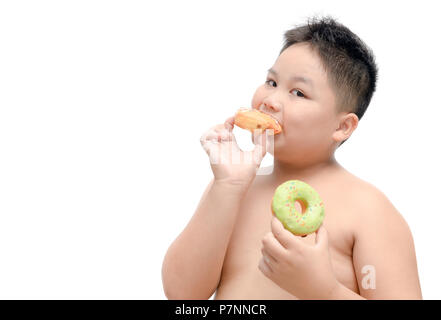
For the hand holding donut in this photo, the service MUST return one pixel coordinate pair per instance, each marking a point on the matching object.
(302, 269)
(228, 162)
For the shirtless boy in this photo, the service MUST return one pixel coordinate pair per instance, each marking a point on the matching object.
(318, 89)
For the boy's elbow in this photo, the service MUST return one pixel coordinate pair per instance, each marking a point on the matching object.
(168, 283)
(174, 292)
(176, 288)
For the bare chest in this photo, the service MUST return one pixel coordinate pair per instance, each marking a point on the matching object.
(241, 278)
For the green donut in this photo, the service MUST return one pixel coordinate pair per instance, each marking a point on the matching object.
(313, 211)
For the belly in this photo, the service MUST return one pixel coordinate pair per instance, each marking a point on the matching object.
(250, 284)
(247, 282)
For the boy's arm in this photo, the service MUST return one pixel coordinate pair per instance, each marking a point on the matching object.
(384, 254)
(193, 263)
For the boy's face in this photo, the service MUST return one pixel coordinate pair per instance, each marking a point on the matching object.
(298, 94)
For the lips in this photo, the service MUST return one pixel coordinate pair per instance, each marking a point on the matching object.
(275, 119)
(269, 114)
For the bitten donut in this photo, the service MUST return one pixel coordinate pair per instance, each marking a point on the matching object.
(252, 119)
(313, 211)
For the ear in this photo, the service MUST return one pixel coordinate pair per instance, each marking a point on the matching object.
(347, 123)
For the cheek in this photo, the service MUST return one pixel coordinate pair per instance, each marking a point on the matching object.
(258, 97)
(296, 120)
(303, 126)
(307, 116)
(309, 136)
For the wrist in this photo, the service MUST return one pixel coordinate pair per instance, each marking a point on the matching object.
(234, 185)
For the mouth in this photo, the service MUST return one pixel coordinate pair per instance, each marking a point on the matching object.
(274, 118)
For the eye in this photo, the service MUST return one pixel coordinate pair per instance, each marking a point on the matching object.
(270, 82)
(298, 93)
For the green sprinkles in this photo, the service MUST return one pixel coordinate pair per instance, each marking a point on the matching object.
(283, 202)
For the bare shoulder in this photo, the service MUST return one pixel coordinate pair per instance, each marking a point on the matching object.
(375, 211)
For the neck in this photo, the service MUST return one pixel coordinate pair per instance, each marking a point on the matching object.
(284, 170)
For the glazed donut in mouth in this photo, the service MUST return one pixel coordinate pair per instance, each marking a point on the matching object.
(283, 207)
(252, 119)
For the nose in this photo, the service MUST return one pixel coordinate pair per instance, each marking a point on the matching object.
(270, 105)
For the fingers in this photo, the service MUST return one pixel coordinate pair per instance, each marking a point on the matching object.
(216, 134)
(321, 237)
(225, 135)
(268, 256)
(213, 141)
(207, 141)
(272, 247)
(265, 267)
(220, 145)
(286, 238)
(229, 123)
(260, 141)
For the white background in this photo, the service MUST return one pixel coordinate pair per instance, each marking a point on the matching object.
(102, 104)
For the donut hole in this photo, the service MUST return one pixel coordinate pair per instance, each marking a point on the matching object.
(300, 206)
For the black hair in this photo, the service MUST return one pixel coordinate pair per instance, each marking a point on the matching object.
(348, 61)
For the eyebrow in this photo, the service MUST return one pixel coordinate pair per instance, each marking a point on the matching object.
(295, 78)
